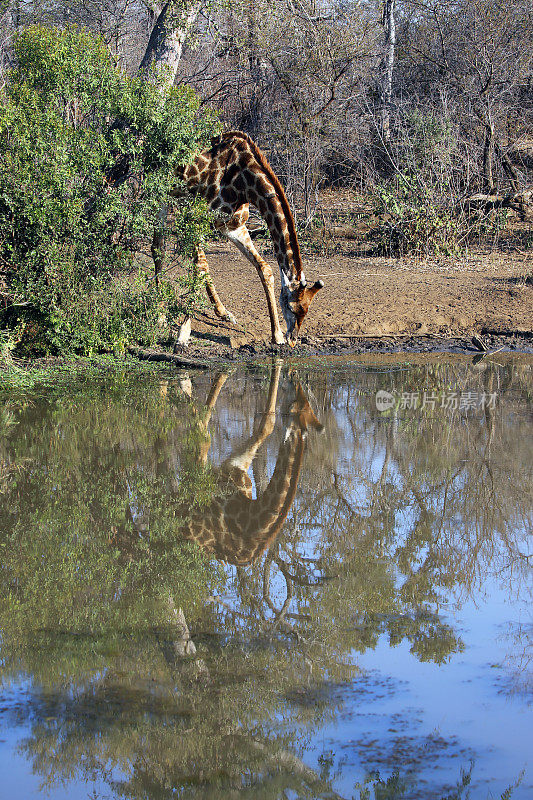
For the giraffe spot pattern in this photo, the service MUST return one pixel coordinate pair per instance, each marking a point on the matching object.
(239, 184)
(229, 195)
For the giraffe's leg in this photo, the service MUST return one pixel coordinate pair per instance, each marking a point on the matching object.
(236, 231)
(203, 268)
(184, 333)
(158, 242)
(212, 397)
(205, 417)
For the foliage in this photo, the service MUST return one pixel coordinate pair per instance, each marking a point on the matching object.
(87, 158)
(420, 204)
(6, 346)
(412, 226)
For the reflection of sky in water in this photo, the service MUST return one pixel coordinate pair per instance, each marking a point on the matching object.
(445, 717)
(17, 782)
(472, 711)
(462, 709)
(431, 720)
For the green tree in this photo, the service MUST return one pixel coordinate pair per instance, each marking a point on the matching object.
(87, 158)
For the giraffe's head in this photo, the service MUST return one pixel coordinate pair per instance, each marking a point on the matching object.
(295, 302)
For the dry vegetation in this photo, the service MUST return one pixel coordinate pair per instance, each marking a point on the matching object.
(438, 95)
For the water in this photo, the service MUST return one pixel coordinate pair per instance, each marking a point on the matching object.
(258, 584)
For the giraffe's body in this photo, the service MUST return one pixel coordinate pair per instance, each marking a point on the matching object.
(234, 526)
(230, 175)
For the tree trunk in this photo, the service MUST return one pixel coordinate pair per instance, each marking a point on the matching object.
(488, 156)
(170, 31)
(509, 169)
(387, 68)
(162, 57)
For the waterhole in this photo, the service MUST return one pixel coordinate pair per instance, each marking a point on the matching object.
(282, 581)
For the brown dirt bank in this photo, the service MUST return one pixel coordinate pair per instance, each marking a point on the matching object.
(408, 305)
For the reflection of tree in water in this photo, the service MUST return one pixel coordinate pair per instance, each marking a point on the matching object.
(420, 505)
(392, 515)
(94, 570)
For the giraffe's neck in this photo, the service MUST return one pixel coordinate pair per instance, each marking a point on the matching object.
(285, 241)
(268, 195)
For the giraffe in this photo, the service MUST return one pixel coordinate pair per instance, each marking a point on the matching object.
(230, 175)
(234, 527)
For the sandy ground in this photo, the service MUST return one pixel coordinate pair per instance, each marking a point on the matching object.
(485, 293)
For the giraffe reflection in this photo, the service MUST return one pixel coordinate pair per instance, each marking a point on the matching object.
(235, 526)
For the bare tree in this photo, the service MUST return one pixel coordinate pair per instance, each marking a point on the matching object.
(173, 21)
(478, 54)
(387, 68)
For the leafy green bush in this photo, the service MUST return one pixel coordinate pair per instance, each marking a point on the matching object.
(414, 222)
(420, 205)
(87, 157)
(414, 225)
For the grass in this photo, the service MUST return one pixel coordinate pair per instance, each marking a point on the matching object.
(19, 377)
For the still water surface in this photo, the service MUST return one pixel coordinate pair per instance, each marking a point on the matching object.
(259, 584)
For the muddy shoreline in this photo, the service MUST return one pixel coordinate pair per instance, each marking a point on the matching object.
(352, 345)
(204, 354)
